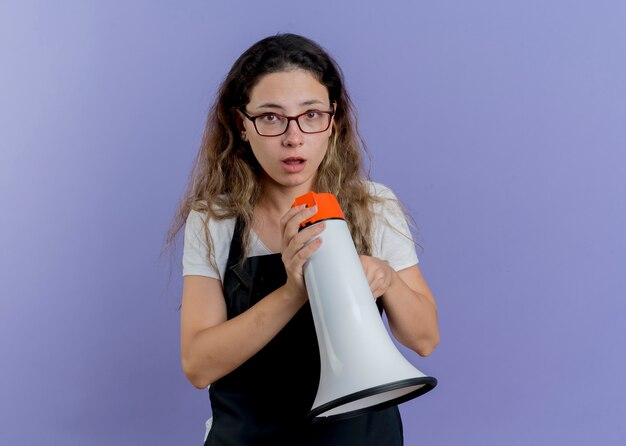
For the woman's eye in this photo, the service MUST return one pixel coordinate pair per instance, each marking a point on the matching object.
(312, 115)
(269, 118)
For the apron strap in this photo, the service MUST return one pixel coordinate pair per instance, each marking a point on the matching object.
(235, 255)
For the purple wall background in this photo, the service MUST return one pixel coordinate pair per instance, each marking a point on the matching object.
(502, 126)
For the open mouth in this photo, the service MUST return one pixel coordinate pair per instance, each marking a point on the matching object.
(293, 161)
(294, 164)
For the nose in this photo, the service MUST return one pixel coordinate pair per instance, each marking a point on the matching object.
(293, 137)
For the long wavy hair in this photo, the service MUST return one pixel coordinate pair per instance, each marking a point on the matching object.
(225, 180)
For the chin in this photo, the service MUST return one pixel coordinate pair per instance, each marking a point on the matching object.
(295, 181)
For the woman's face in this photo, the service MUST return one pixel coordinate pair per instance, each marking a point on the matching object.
(291, 159)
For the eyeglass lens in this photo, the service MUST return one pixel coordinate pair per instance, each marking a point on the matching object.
(310, 122)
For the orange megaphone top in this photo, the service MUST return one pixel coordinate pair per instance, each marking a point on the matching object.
(327, 207)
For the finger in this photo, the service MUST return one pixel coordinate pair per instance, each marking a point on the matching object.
(298, 214)
(369, 267)
(305, 235)
(295, 262)
(380, 277)
(375, 287)
(302, 239)
(307, 251)
(292, 235)
(290, 224)
(370, 274)
(290, 213)
(375, 291)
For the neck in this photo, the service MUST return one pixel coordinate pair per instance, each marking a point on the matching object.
(278, 199)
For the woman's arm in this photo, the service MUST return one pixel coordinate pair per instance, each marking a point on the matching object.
(211, 345)
(408, 302)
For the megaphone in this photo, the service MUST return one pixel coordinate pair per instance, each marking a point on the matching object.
(361, 368)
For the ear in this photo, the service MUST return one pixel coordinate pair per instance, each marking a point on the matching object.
(332, 119)
(237, 116)
(238, 120)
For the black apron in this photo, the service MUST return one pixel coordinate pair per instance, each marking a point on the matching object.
(266, 399)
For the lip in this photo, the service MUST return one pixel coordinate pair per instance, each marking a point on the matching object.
(293, 164)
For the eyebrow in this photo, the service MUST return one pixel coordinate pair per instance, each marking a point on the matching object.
(280, 107)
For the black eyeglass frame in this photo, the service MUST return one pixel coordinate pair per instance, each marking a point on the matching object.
(289, 119)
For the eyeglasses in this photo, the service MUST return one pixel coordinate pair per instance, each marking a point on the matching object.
(273, 124)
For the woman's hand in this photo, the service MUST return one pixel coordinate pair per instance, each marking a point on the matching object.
(295, 249)
(379, 274)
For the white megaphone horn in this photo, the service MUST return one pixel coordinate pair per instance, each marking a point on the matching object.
(361, 368)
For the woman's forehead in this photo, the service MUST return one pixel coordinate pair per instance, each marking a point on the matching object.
(285, 89)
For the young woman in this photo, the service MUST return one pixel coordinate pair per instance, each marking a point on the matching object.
(283, 125)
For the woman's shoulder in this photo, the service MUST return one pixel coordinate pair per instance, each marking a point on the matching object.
(200, 218)
(380, 190)
(384, 200)
(391, 236)
(207, 243)
(207, 212)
